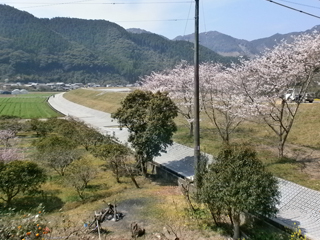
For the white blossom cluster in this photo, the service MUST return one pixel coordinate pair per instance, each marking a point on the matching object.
(255, 87)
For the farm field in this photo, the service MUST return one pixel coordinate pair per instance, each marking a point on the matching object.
(27, 106)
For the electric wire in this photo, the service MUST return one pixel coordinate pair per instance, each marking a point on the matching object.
(99, 3)
(305, 5)
(294, 9)
(185, 27)
(204, 23)
(158, 20)
(112, 3)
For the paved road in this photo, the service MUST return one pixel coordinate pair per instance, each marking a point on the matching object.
(298, 205)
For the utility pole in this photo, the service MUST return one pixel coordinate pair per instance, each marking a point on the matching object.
(196, 91)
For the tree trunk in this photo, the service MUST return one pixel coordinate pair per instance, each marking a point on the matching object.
(280, 149)
(134, 181)
(191, 129)
(215, 215)
(230, 216)
(236, 226)
(144, 169)
(117, 174)
(8, 201)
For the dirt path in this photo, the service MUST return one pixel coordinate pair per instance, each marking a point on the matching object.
(156, 229)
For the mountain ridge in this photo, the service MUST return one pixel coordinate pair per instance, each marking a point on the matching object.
(78, 50)
(227, 45)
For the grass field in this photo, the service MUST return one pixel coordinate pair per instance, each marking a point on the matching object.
(304, 132)
(303, 142)
(27, 106)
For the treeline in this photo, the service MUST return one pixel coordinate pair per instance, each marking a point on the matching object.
(76, 50)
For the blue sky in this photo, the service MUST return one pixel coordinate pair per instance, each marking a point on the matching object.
(243, 19)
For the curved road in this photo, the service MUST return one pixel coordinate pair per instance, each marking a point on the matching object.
(299, 206)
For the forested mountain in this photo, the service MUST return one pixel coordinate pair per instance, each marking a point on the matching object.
(76, 50)
(226, 45)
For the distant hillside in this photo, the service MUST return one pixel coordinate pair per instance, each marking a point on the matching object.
(76, 50)
(137, 30)
(230, 46)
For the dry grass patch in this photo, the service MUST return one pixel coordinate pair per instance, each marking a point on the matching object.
(99, 100)
(154, 207)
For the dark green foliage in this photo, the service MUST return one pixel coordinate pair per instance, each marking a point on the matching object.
(55, 142)
(80, 133)
(28, 33)
(41, 128)
(111, 150)
(76, 50)
(5, 117)
(149, 119)
(237, 182)
(19, 177)
(64, 141)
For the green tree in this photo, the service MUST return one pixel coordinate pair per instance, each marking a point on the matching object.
(80, 132)
(149, 119)
(237, 182)
(42, 128)
(19, 177)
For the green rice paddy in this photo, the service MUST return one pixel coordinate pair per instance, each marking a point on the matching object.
(27, 106)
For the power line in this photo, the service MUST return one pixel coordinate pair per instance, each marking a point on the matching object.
(96, 3)
(158, 20)
(48, 4)
(299, 4)
(92, 3)
(204, 23)
(185, 27)
(312, 15)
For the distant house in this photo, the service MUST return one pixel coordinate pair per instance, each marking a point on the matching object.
(15, 92)
(18, 91)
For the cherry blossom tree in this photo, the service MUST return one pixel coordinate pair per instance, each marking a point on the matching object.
(265, 79)
(7, 152)
(178, 83)
(221, 100)
(6, 136)
(10, 154)
(255, 87)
